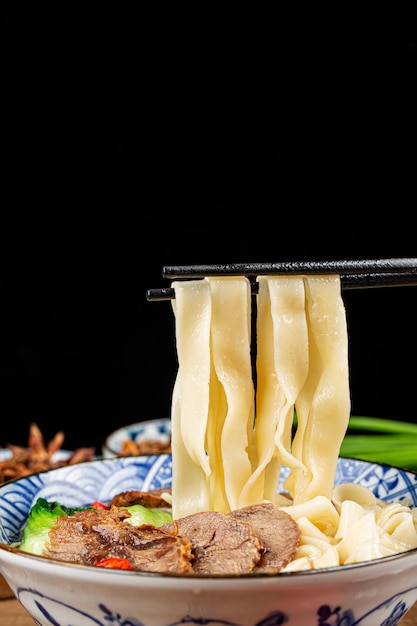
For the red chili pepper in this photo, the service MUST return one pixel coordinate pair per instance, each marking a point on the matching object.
(114, 563)
(99, 505)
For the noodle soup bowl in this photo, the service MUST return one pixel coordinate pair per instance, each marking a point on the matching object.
(372, 593)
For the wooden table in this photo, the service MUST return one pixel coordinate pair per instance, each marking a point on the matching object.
(13, 614)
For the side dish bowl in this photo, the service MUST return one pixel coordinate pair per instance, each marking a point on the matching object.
(365, 594)
(157, 430)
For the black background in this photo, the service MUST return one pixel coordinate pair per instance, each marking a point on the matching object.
(133, 141)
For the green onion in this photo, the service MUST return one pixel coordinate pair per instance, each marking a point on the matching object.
(382, 425)
(379, 442)
(391, 441)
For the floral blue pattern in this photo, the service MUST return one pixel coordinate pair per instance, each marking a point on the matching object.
(389, 613)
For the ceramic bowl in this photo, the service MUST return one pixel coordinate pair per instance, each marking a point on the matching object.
(366, 594)
(148, 430)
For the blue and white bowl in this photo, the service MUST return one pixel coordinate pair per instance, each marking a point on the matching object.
(148, 430)
(366, 594)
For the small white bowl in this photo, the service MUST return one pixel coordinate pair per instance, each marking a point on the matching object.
(364, 594)
(148, 430)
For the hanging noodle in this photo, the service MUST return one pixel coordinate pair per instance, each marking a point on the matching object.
(224, 458)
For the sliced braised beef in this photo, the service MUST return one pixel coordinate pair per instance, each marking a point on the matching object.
(151, 499)
(278, 531)
(221, 544)
(95, 534)
(255, 539)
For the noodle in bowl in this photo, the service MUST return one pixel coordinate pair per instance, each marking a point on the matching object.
(368, 594)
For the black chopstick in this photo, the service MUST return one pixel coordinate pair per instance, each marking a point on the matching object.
(348, 281)
(367, 266)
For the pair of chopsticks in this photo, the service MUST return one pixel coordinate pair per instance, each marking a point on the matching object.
(355, 274)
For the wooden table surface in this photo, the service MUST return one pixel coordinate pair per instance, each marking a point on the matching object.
(13, 614)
